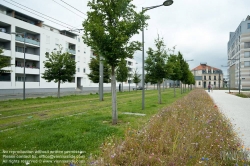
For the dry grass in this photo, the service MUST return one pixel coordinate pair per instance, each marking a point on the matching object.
(190, 131)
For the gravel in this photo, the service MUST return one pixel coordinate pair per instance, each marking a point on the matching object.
(237, 109)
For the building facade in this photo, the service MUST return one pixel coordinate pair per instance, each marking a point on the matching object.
(238, 52)
(18, 30)
(205, 75)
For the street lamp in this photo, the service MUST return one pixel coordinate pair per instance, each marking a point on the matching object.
(166, 3)
(24, 76)
(228, 77)
(239, 72)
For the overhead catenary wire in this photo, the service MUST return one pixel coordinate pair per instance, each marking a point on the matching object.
(74, 7)
(68, 9)
(42, 14)
(37, 14)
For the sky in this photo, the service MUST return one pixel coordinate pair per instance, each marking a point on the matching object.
(199, 29)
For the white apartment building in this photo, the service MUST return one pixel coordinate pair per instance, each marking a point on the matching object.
(238, 51)
(205, 75)
(40, 38)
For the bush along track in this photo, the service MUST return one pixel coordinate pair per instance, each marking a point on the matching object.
(191, 131)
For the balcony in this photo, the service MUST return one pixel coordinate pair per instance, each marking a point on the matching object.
(5, 36)
(6, 52)
(28, 70)
(71, 51)
(28, 40)
(27, 56)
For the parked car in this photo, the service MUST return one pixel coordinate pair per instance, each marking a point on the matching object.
(138, 88)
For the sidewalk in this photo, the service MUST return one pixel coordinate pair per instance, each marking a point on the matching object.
(237, 109)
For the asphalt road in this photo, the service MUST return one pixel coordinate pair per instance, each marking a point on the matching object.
(237, 109)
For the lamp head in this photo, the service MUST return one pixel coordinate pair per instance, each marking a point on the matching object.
(168, 3)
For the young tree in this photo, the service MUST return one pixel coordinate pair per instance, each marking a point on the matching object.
(136, 78)
(108, 30)
(59, 67)
(4, 62)
(94, 70)
(156, 64)
(174, 61)
(122, 72)
(183, 70)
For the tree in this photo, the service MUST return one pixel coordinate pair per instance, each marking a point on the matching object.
(94, 70)
(4, 62)
(60, 67)
(174, 61)
(136, 78)
(122, 72)
(183, 68)
(108, 30)
(156, 64)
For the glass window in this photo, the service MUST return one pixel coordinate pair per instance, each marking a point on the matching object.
(247, 54)
(209, 77)
(248, 26)
(78, 69)
(84, 70)
(214, 83)
(247, 45)
(247, 63)
(199, 83)
(204, 77)
(214, 77)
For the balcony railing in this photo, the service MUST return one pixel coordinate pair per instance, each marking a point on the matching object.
(28, 40)
(71, 51)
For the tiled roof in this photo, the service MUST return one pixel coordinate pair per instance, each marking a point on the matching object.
(204, 67)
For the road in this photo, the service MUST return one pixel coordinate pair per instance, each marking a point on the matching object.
(237, 109)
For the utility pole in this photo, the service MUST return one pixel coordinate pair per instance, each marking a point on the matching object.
(101, 79)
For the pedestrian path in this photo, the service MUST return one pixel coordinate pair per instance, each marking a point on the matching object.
(237, 109)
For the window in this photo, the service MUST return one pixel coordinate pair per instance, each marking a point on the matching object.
(214, 83)
(247, 45)
(5, 77)
(209, 78)
(214, 77)
(78, 39)
(205, 78)
(78, 69)
(84, 70)
(247, 64)
(246, 54)
(19, 49)
(248, 26)
(199, 83)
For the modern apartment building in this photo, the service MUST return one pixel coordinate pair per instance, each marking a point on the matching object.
(238, 51)
(40, 38)
(205, 75)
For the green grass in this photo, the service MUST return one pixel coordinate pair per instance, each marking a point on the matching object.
(242, 95)
(74, 122)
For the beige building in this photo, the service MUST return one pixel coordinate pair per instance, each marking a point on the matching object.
(238, 50)
(205, 75)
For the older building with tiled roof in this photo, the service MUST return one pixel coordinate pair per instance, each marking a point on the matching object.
(207, 75)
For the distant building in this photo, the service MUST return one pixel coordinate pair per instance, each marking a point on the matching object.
(205, 75)
(238, 51)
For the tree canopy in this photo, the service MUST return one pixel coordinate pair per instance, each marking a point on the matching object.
(59, 67)
(4, 62)
(94, 70)
(108, 29)
(156, 64)
(136, 78)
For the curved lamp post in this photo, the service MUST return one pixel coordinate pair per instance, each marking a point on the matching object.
(166, 3)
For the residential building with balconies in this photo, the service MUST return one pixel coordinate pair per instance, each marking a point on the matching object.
(18, 30)
(205, 75)
(238, 53)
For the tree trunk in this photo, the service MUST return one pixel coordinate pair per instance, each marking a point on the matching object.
(181, 86)
(58, 90)
(174, 88)
(159, 92)
(114, 103)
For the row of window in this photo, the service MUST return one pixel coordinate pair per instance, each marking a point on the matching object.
(209, 77)
(209, 83)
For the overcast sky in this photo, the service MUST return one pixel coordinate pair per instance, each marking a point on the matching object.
(198, 28)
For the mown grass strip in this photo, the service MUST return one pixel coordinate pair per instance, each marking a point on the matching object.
(84, 132)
